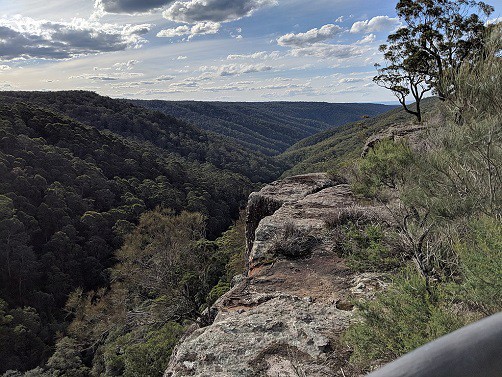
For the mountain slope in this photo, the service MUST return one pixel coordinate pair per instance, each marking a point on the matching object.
(69, 195)
(325, 151)
(166, 132)
(268, 127)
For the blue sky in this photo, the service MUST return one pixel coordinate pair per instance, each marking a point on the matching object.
(229, 50)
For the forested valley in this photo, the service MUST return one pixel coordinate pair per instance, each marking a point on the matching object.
(89, 186)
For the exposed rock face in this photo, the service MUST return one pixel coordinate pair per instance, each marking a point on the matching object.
(285, 317)
(394, 133)
(270, 198)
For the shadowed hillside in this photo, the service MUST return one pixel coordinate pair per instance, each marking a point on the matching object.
(267, 127)
(163, 131)
(326, 150)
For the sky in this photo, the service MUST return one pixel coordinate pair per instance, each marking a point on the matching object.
(224, 50)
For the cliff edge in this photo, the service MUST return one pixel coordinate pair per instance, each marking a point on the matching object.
(285, 317)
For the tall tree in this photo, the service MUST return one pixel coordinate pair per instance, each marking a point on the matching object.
(437, 36)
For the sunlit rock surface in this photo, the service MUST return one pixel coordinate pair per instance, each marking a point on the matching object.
(285, 317)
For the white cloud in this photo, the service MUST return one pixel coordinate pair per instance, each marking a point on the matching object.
(326, 32)
(370, 38)
(262, 55)
(194, 11)
(324, 50)
(106, 77)
(233, 70)
(125, 66)
(376, 24)
(200, 28)
(165, 78)
(24, 37)
(351, 80)
(4, 67)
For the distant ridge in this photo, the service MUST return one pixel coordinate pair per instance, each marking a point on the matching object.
(269, 127)
(330, 149)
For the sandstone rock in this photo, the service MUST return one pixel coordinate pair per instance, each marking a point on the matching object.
(270, 198)
(395, 133)
(284, 318)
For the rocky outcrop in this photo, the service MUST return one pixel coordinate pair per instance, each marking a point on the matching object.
(394, 133)
(270, 198)
(285, 317)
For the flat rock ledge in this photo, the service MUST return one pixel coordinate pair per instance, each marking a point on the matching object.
(285, 317)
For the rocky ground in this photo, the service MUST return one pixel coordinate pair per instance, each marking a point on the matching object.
(285, 317)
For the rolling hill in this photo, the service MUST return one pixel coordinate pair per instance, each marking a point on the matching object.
(268, 127)
(327, 150)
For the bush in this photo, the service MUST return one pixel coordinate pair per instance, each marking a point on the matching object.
(137, 354)
(368, 249)
(216, 292)
(294, 242)
(481, 263)
(398, 321)
(385, 166)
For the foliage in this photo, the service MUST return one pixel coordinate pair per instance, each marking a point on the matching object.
(22, 338)
(142, 355)
(167, 274)
(160, 130)
(449, 219)
(232, 244)
(294, 242)
(402, 78)
(70, 193)
(370, 248)
(461, 173)
(403, 318)
(166, 260)
(66, 361)
(385, 166)
(437, 36)
(336, 149)
(481, 261)
(269, 127)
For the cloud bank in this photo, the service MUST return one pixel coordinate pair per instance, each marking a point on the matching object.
(24, 38)
(129, 6)
(200, 28)
(326, 32)
(194, 11)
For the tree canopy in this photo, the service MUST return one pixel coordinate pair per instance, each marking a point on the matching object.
(437, 37)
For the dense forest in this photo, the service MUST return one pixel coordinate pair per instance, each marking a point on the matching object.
(163, 131)
(269, 127)
(87, 183)
(69, 195)
(332, 149)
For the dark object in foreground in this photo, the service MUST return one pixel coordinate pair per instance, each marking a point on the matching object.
(472, 351)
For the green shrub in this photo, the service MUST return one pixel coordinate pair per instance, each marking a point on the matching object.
(367, 249)
(385, 166)
(136, 354)
(481, 263)
(399, 320)
(216, 292)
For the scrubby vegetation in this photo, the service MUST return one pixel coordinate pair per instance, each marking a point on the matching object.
(445, 197)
